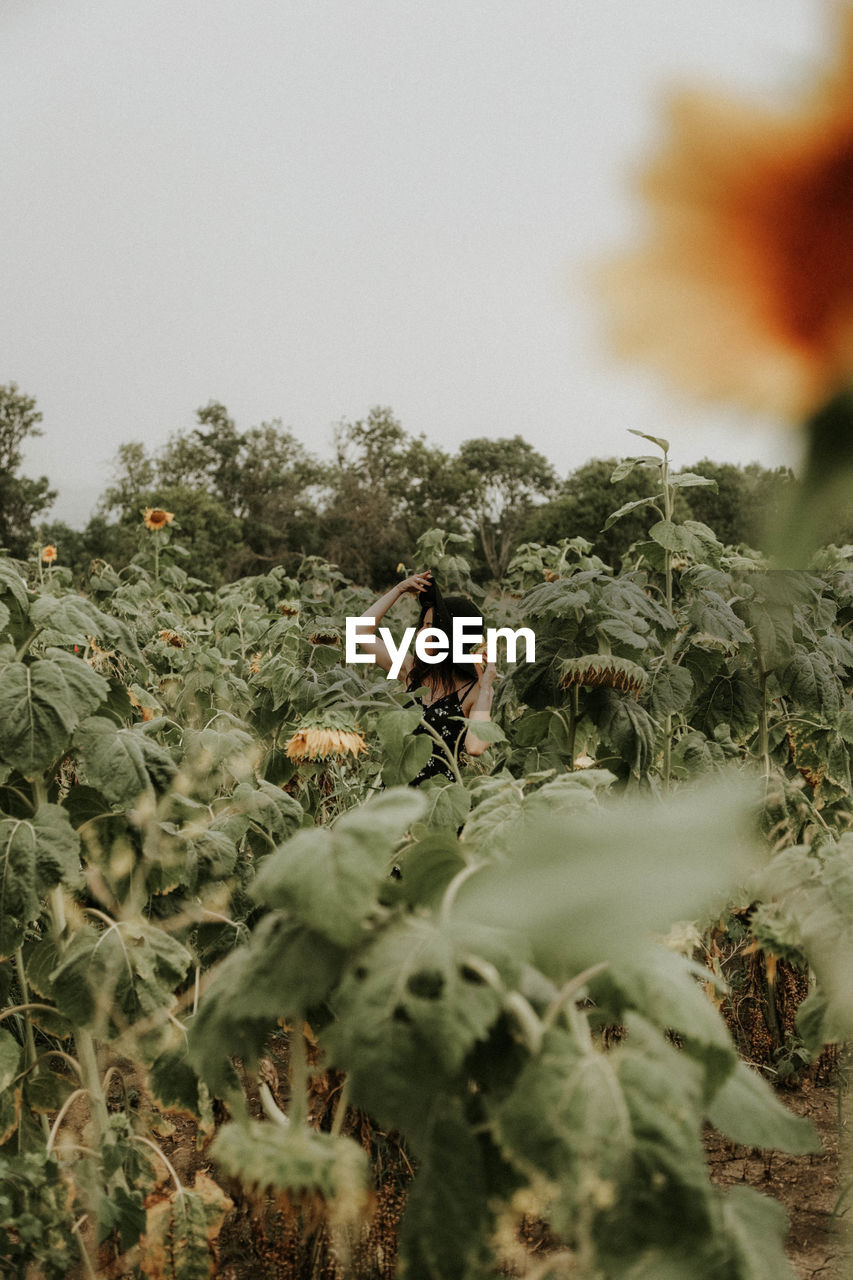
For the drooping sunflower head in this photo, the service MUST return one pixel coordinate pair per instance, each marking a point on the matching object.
(596, 670)
(316, 742)
(155, 518)
(325, 632)
(49, 554)
(172, 638)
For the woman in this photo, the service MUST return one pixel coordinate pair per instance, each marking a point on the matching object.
(453, 689)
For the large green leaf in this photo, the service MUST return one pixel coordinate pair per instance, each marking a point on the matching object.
(11, 583)
(626, 726)
(10, 1058)
(404, 752)
(112, 978)
(412, 1006)
(284, 972)
(662, 987)
(756, 1226)
(68, 620)
(329, 877)
(566, 1115)
(669, 690)
(35, 854)
(121, 763)
(628, 507)
(590, 890)
(747, 1110)
(810, 680)
(733, 698)
(40, 706)
(712, 616)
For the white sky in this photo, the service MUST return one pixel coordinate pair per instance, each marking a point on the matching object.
(307, 207)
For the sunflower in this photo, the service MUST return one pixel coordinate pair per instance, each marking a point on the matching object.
(49, 554)
(744, 288)
(324, 637)
(156, 518)
(595, 670)
(318, 743)
(172, 638)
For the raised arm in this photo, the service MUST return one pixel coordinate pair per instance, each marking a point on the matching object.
(480, 709)
(415, 584)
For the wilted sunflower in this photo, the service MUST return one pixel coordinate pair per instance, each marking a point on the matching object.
(602, 669)
(744, 289)
(316, 743)
(156, 518)
(289, 608)
(49, 554)
(324, 637)
(172, 638)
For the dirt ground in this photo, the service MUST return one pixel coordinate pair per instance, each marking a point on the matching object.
(260, 1242)
(809, 1186)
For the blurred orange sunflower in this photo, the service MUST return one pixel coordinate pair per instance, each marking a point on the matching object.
(156, 518)
(744, 288)
(49, 554)
(319, 744)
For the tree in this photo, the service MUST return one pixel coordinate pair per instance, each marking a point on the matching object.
(504, 479)
(384, 490)
(239, 497)
(586, 498)
(21, 499)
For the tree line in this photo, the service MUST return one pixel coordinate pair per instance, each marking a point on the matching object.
(246, 499)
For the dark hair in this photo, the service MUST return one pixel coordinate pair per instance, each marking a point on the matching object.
(445, 609)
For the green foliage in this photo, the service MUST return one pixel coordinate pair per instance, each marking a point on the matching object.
(174, 887)
(21, 500)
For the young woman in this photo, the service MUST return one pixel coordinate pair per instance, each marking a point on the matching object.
(454, 689)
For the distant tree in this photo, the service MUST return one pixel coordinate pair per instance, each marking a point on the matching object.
(239, 497)
(384, 489)
(724, 510)
(134, 477)
(504, 479)
(21, 500)
(767, 496)
(586, 498)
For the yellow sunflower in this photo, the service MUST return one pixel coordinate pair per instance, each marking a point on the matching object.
(744, 287)
(156, 518)
(49, 554)
(317, 743)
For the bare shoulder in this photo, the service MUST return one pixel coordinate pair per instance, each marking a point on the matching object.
(473, 693)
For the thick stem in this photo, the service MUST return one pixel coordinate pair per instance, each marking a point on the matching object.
(763, 727)
(30, 1056)
(91, 1076)
(667, 571)
(298, 1111)
(574, 711)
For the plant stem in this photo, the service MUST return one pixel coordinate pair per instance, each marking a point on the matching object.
(29, 1037)
(574, 710)
(298, 1110)
(763, 727)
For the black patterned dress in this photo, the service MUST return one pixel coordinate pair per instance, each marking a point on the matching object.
(443, 715)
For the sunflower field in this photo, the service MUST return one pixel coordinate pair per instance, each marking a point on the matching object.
(268, 1010)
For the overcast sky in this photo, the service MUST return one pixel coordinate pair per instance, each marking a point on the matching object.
(303, 208)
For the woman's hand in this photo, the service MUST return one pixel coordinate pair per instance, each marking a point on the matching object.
(417, 583)
(487, 675)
